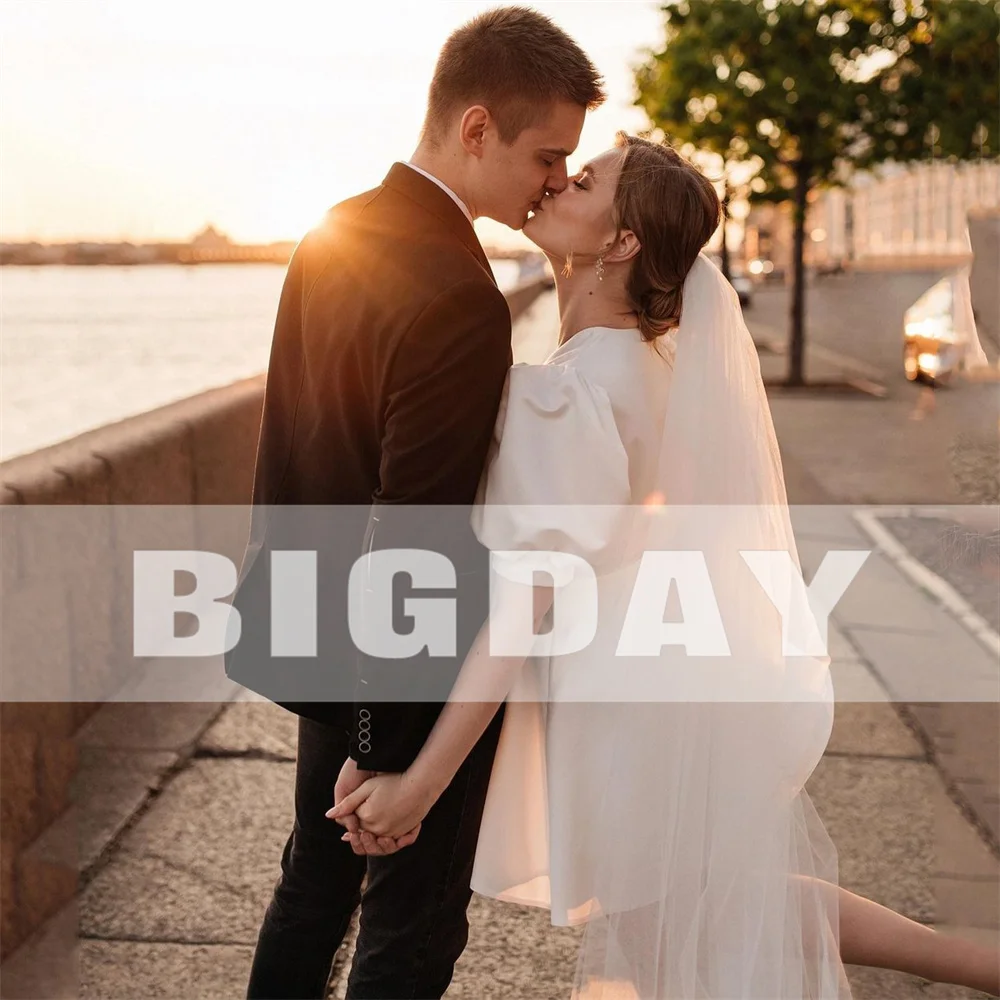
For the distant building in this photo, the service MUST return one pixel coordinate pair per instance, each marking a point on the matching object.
(212, 247)
(88, 253)
(920, 210)
(211, 239)
(207, 247)
(31, 254)
(903, 212)
(129, 253)
(767, 237)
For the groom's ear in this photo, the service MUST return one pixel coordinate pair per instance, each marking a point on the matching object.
(472, 129)
(625, 248)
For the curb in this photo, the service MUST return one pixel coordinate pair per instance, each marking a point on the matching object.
(854, 374)
(869, 520)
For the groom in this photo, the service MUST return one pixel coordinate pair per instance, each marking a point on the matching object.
(390, 351)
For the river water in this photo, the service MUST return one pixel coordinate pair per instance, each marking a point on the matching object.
(81, 347)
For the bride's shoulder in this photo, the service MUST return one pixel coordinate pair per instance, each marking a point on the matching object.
(602, 353)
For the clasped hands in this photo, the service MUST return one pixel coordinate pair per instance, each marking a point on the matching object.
(382, 812)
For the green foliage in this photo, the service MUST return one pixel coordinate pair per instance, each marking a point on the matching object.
(811, 89)
(824, 85)
(942, 97)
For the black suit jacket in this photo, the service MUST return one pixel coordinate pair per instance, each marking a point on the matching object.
(390, 351)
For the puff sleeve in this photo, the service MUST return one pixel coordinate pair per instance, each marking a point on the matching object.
(556, 479)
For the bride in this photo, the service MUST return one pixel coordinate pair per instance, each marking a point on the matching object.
(658, 799)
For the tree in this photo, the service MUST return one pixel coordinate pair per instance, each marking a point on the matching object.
(731, 170)
(815, 88)
(940, 97)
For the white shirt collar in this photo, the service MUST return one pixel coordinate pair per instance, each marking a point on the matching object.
(444, 187)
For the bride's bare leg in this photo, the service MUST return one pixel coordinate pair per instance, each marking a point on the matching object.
(870, 935)
(874, 935)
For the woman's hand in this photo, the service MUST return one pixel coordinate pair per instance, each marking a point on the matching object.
(351, 778)
(390, 805)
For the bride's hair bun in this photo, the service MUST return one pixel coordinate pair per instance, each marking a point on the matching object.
(673, 210)
(659, 311)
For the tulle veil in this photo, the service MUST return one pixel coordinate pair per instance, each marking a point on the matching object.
(716, 879)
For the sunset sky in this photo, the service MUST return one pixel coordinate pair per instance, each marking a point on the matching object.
(145, 119)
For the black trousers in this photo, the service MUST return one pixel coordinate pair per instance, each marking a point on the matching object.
(413, 924)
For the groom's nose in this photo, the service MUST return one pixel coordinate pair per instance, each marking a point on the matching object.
(558, 180)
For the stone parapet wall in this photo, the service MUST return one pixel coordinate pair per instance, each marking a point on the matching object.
(196, 452)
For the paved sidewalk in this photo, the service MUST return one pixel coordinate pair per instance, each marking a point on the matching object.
(174, 910)
(172, 905)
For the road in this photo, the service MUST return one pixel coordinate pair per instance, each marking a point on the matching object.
(916, 445)
(860, 314)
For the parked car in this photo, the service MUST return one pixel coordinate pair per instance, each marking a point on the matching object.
(830, 267)
(939, 331)
(738, 278)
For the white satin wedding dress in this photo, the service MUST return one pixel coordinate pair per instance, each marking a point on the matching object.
(659, 799)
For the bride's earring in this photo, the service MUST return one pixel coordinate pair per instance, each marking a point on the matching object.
(567, 270)
(599, 268)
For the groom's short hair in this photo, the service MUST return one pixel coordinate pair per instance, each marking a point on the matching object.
(515, 62)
